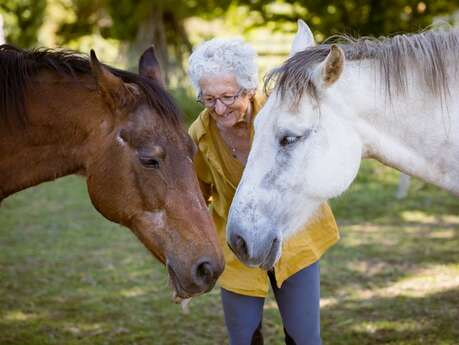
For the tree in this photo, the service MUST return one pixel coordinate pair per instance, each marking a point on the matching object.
(159, 22)
(355, 17)
(22, 20)
(140, 23)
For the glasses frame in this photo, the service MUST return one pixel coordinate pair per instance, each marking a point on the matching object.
(215, 99)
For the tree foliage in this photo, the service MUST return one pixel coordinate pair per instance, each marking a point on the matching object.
(144, 22)
(161, 23)
(141, 23)
(356, 17)
(22, 20)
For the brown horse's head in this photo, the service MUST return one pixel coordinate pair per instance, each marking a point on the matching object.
(141, 175)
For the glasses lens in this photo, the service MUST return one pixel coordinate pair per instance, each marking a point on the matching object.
(209, 103)
(228, 100)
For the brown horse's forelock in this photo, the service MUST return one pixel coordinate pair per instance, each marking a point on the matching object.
(18, 66)
(427, 52)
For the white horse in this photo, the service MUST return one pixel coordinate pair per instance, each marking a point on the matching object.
(395, 100)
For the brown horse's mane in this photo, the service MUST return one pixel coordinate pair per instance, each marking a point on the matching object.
(18, 66)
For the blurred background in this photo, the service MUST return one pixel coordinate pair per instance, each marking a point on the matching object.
(120, 30)
(68, 276)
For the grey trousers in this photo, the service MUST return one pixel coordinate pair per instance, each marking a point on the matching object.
(299, 304)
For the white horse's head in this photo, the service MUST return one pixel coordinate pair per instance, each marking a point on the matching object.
(304, 152)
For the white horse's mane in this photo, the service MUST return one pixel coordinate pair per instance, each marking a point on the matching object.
(427, 52)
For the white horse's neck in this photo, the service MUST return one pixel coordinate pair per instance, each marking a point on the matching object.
(413, 131)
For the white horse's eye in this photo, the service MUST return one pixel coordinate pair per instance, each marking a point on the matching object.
(288, 140)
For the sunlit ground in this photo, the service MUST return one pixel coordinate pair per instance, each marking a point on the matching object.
(68, 276)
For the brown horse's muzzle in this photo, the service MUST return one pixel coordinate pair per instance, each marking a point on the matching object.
(201, 277)
(189, 250)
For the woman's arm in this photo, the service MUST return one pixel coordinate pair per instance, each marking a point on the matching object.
(202, 170)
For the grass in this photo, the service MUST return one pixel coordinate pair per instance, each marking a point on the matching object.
(68, 276)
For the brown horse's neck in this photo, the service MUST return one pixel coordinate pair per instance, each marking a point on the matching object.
(63, 115)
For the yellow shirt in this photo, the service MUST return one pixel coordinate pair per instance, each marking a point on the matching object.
(217, 171)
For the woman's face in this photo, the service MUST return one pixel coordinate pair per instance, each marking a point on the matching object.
(223, 86)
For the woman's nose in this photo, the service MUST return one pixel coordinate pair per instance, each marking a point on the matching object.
(220, 108)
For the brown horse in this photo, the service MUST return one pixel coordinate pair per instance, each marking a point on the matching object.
(61, 114)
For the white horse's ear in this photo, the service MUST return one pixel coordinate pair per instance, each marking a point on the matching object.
(329, 70)
(303, 38)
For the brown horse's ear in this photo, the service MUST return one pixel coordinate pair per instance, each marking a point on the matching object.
(149, 66)
(112, 88)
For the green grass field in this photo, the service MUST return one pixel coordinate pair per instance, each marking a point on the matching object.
(68, 276)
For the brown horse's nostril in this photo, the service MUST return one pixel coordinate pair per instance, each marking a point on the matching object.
(203, 273)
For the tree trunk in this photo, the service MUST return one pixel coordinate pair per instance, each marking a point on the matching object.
(2, 34)
(151, 32)
(163, 30)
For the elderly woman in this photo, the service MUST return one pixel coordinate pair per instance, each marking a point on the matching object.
(224, 74)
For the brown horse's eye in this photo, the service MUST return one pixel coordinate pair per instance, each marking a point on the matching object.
(149, 162)
(123, 134)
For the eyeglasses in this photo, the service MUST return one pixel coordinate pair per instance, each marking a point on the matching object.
(210, 102)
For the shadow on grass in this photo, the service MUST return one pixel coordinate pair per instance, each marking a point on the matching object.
(431, 319)
(67, 276)
(371, 198)
(374, 257)
(100, 298)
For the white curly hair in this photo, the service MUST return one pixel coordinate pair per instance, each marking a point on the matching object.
(221, 55)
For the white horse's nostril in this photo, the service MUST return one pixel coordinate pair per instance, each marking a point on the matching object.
(241, 246)
(272, 255)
